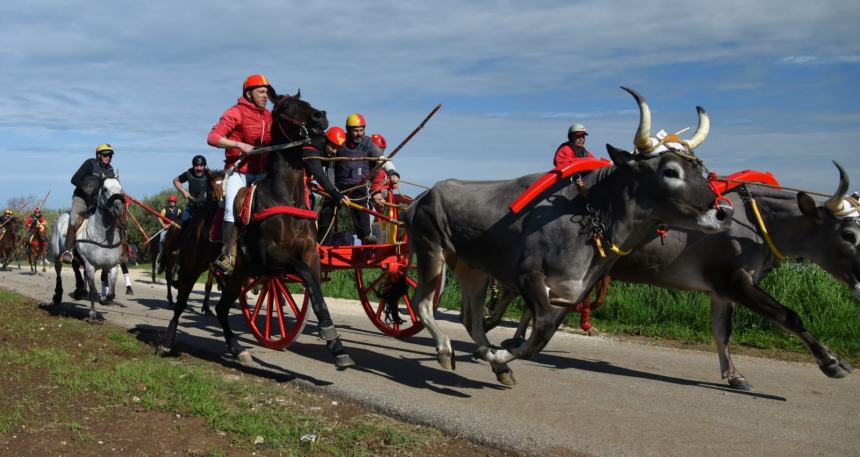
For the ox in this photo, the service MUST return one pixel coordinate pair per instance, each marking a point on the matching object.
(549, 252)
(730, 264)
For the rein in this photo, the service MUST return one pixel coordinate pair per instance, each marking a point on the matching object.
(747, 198)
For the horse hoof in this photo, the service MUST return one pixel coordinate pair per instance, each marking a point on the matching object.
(162, 350)
(477, 356)
(128, 290)
(244, 357)
(206, 311)
(740, 383)
(79, 294)
(513, 343)
(343, 361)
(837, 369)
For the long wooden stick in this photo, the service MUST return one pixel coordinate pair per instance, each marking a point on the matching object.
(325, 194)
(402, 143)
(154, 212)
(137, 224)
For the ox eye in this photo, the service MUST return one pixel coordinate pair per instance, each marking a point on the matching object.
(849, 237)
(671, 173)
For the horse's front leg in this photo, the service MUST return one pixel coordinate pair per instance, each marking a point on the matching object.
(58, 287)
(90, 273)
(231, 287)
(327, 332)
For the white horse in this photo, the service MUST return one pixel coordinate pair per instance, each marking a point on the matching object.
(98, 246)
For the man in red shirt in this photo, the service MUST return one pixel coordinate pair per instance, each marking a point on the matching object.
(242, 128)
(574, 149)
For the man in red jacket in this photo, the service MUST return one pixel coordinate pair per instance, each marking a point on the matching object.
(242, 128)
(568, 153)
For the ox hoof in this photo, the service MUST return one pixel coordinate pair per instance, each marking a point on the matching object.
(244, 357)
(343, 361)
(512, 343)
(740, 383)
(447, 361)
(506, 377)
(837, 369)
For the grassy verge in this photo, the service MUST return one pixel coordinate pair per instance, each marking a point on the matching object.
(825, 305)
(47, 382)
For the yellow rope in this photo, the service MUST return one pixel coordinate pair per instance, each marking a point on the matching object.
(599, 246)
(764, 231)
(617, 250)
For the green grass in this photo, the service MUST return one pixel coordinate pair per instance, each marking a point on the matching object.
(111, 366)
(826, 306)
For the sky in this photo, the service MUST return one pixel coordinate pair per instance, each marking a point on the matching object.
(779, 80)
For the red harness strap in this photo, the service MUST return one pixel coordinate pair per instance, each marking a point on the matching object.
(291, 210)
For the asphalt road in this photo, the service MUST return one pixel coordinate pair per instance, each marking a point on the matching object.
(581, 396)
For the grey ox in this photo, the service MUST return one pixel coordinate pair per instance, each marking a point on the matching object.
(547, 253)
(729, 265)
(98, 246)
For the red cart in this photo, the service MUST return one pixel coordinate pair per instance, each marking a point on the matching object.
(278, 313)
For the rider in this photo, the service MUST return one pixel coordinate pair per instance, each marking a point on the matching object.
(243, 127)
(7, 215)
(35, 221)
(349, 173)
(198, 193)
(171, 213)
(334, 138)
(574, 149)
(87, 181)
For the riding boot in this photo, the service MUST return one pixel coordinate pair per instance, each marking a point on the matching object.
(71, 235)
(224, 263)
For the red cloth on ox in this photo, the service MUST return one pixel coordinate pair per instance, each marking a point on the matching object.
(553, 176)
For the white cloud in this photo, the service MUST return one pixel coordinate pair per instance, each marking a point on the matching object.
(800, 60)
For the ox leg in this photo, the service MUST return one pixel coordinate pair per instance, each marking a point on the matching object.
(58, 287)
(747, 293)
(499, 309)
(430, 268)
(722, 313)
(546, 321)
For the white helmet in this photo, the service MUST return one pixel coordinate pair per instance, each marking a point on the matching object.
(575, 128)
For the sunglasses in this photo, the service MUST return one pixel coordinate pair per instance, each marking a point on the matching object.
(109, 154)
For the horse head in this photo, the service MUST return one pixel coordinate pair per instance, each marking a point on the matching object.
(295, 119)
(111, 197)
(216, 181)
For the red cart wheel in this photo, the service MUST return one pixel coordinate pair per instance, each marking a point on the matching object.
(371, 283)
(276, 320)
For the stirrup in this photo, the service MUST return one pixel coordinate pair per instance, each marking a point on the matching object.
(223, 264)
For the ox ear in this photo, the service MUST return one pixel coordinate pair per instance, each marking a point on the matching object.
(807, 205)
(620, 157)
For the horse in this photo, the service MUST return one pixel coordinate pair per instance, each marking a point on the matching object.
(36, 247)
(98, 246)
(190, 232)
(9, 240)
(281, 243)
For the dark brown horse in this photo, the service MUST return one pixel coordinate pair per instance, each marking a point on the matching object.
(9, 240)
(277, 245)
(195, 232)
(37, 245)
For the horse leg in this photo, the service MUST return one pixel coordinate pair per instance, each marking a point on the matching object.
(184, 286)
(722, 311)
(110, 281)
(90, 273)
(327, 331)
(168, 279)
(208, 290)
(232, 285)
(58, 287)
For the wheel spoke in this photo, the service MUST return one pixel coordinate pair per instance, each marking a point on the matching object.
(281, 299)
(290, 300)
(269, 304)
(259, 303)
(408, 303)
(375, 282)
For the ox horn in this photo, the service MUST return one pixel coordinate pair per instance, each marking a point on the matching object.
(834, 203)
(702, 130)
(298, 94)
(642, 139)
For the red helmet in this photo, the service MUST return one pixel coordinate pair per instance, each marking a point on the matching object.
(378, 140)
(171, 198)
(255, 81)
(37, 210)
(336, 135)
(355, 120)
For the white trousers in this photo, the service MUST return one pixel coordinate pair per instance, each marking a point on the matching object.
(235, 182)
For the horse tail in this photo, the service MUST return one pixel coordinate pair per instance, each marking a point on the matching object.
(58, 235)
